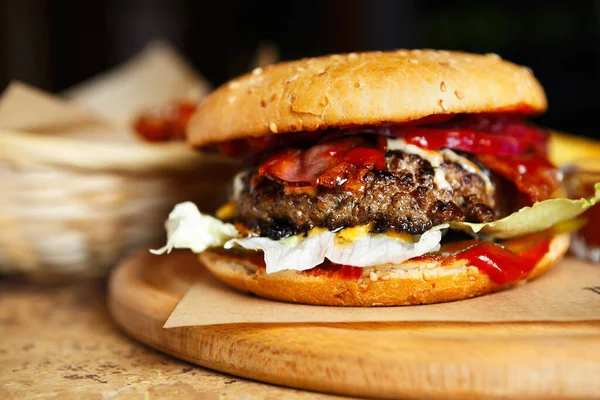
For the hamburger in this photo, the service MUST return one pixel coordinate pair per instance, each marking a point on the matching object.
(380, 178)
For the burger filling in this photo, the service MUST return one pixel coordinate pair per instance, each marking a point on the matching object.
(401, 197)
(366, 196)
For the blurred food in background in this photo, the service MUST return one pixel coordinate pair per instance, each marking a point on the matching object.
(80, 189)
(165, 122)
(581, 178)
(565, 148)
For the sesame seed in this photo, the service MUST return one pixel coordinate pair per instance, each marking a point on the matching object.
(373, 276)
(352, 56)
(417, 52)
(321, 71)
(359, 84)
(528, 70)
(299, 68)
(273, 127)
(402, 53)
(427, 276)
(292, 78)
(444, 63)
(413, 61)
(459, 95)
(443, 105)
(443, 86)
(493, 56)
(325, 100)
(257, 71)
(468, 59)
(431, 265)
(363, 286)
(231, 99)
(386, 277)
(335, 57)
(234, 85)
(445, 53)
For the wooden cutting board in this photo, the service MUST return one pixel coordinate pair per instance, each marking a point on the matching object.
(388, 360)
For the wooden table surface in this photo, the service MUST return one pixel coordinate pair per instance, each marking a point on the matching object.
(59, 342)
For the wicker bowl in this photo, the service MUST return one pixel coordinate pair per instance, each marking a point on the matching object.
(71, 208)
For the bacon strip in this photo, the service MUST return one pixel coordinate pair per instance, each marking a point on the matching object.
(532, 174)
(329, 164)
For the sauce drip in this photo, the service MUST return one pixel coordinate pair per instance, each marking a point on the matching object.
(499, 263)
(336, 270)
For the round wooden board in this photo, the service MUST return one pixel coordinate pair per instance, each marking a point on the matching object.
(388, 360)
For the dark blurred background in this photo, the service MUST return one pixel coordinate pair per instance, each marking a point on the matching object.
(55, 44)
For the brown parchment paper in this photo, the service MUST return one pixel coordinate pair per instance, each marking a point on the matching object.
(25, 109)
(569, 292)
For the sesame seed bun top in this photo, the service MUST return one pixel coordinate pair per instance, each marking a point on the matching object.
(363, 89)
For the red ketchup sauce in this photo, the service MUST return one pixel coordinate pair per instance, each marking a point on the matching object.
(500, 264)
(503, 264)
(336, 270)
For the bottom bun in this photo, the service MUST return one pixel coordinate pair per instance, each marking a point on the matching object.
(412, 282)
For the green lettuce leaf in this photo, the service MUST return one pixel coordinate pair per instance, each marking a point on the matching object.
(538, 217)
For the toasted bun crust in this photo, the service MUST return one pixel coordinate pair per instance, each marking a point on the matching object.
(416, 283)
(363, 89)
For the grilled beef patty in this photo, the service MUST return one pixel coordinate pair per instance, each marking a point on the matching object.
(403, 198)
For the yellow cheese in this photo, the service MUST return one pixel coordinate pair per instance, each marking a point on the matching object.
(316, 231)
(405, 237)
(227, 211)
(356, 232)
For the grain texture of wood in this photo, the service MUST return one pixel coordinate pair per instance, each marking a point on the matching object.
(386, 360)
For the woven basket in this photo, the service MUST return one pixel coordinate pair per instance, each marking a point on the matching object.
(70, 208)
